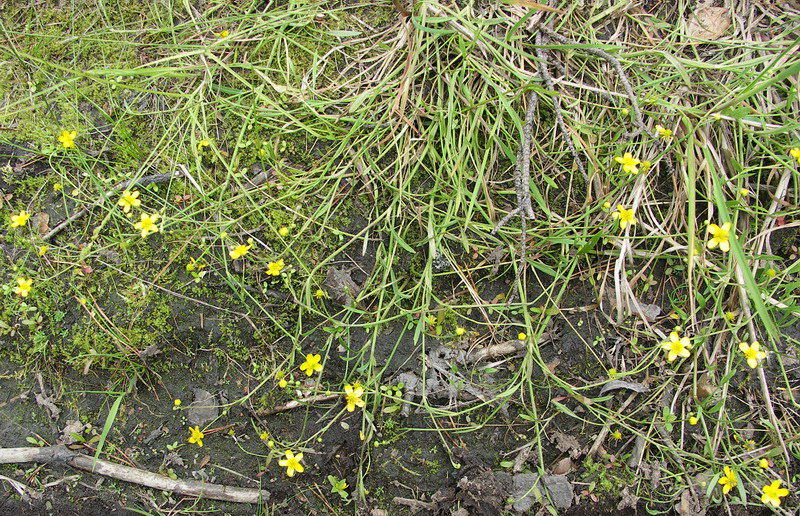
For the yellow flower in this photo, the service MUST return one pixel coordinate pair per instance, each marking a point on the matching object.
(720, 237)
(20, 220)
(763, 463)
(676, 346)
(693, 420)
(282, 383)
(147, 224)
(753, 353)
(202, 144)
(612, 372)
(239, 251)
(616, 435)
(275, 268)
(57, 187)
(729, 481)
(744, 192)
(624, 216)
(730, 316)
(663, 133)
(522, 336)
(460, 331)
(629, 163)
(352, 394)
(177, 402)
(319, 294)
(196, 436)
(195, 264)
(67, 138)
(128, 200)
(42, 250)
(23, 287)
(773, 493)
(222, 35)
(284, 231)
(606, 205)
(311, 364)
(292, 463)
(223, 235)
(795, 153)
(263, 435)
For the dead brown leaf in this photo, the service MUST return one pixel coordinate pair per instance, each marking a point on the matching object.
(41, 223)
(563, 466)
(709, 23)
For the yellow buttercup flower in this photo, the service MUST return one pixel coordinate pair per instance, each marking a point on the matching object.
(319, 294)
(284, 231)
(129, 200)
(223, 34)
(67, 139)
(763, 464)
(202, 144)
(195, 264)
(460, 331)
(352, 394)
(729, 481)
(616, 435)
(275, 268)
(720, 236)
(744, 192)
(23, 287)
(752, 353)
(292, 463)
(263, 435)
(629, 163)
(795, 153)
(311, 364)
(663, 133)
(147, 224)
(196, 436)
(177, 402)
(676, 346)
(773, 493)
(240, 250)
(282, 383)
(625, 217)
(20, 219)
(522, 336)
(693, 420)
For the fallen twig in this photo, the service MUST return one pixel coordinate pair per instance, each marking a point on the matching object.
(60, 454)
(142, 181)
(297, 404)
(623, 77)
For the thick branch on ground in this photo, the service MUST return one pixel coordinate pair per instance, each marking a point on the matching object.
(63, 455)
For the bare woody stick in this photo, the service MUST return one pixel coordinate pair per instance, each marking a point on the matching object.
(602, 54)
(142, 181)
(60, 454)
